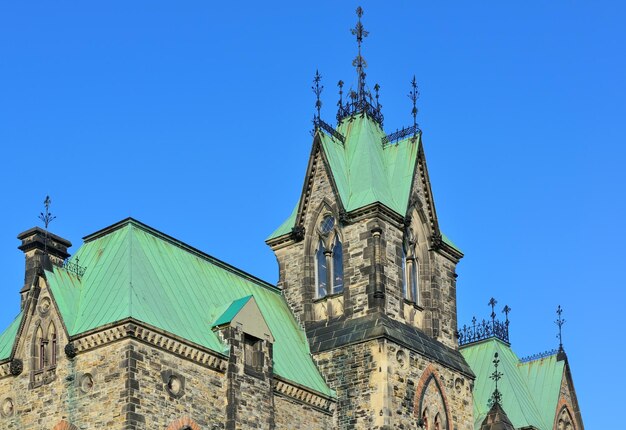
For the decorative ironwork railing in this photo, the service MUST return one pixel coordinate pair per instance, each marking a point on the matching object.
(538, 356)
(357, 106)
(484, 330)
(74, 267)
(400, 134)
(320, 123)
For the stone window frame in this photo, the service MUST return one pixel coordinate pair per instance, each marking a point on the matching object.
(416, 236)
(253, 359)
(565, 410)
(44, 352)
(329, 241)
(431, 376)
(410, 268)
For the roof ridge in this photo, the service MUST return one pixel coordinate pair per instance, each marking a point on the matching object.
(180, 244)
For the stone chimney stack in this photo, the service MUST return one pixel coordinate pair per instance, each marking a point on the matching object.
(42, 250)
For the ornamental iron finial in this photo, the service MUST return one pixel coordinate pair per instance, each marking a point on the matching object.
(359, 62)
(486, 328)
(559, 322)
(506, 311)
(46, 216)
(496, 397)
(413, 95)
(340, 102)
(376, 90)
(317, 90)
(492, 303)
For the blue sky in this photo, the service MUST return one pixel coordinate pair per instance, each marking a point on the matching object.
(194, 118)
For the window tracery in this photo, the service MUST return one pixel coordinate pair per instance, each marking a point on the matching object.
(565, 421)
(328, 259)
(431, 404)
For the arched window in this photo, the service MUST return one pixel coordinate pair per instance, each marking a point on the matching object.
(328, 259)
(39, 350)
(410, 269)
(425, 419)
(52, 345)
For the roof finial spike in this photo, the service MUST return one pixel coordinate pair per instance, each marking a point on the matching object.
(359, 62)
(559, 322)
(317, 90)
(492, 303)
(496, 376)
(413, 95)
(376, 90)
(46, 216)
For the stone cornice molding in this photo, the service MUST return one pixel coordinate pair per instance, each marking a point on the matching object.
(132, 329)
(301, 394)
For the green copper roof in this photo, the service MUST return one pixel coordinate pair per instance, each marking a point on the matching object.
(530, 391)
(231, 311)
(7, 338)
(135, 271)
(364, 171)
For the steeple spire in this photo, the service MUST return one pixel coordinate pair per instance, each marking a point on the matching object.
(559, 322)
(359, 62)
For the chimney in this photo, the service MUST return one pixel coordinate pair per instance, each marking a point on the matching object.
(42, 250)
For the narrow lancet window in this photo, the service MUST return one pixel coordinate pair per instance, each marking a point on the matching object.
(322, 270)
(337, 267)
(328, 259)
(52, 338)
(410, 269)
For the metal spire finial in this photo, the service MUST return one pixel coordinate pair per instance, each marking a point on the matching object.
(506, 311)
(413, 95)
(376, 90)
(359, 62)
(340, 102)
(493, 303)
(559, 322)
(317, 90)
(47, 216)
(496, 376)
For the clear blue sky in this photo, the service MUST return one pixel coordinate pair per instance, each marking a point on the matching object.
(194, 117)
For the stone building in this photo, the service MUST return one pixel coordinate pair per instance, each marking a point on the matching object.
(137, 330)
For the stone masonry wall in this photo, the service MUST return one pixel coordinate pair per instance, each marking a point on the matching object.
(378, 386)
(294, 415)
(164, 387)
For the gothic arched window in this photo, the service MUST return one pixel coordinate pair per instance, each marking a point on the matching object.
(410, 269)
(39, 350)
(328, 259)
(52, 345)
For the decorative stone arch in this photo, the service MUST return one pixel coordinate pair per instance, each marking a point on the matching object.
(315, 236)
(64, 425)
(184, 423)
(430, 385)
(564, 419)
(415, 257)
(38, 351)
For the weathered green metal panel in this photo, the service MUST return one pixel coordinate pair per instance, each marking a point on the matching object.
(7, 338)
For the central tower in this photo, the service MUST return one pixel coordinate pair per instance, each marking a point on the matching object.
(366, 269)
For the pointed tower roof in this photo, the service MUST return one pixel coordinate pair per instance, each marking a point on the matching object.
(497, 419)
(366, 165)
